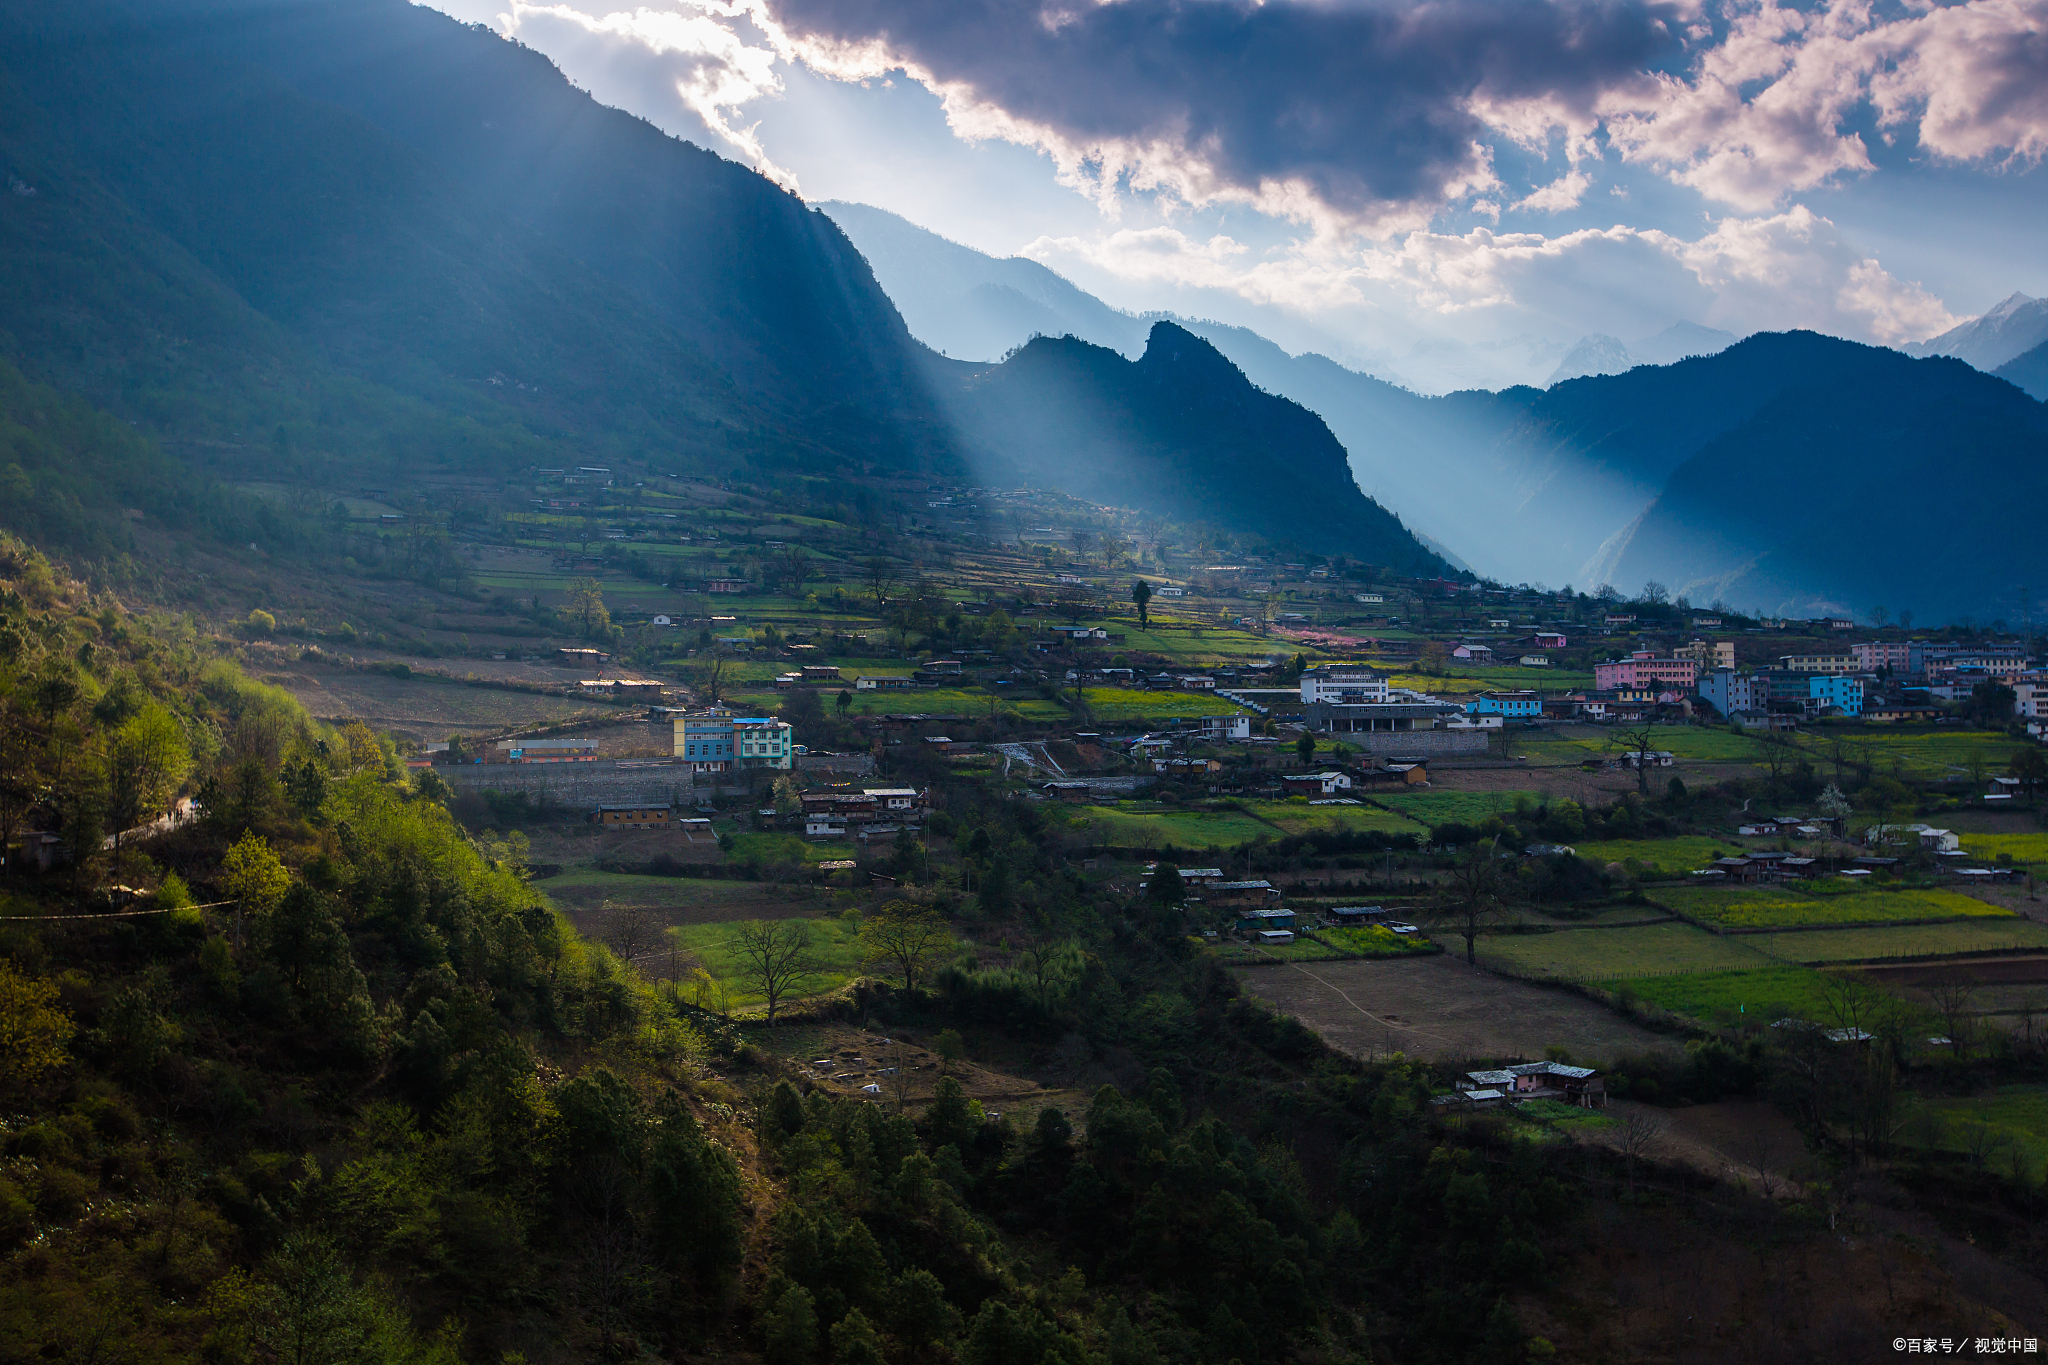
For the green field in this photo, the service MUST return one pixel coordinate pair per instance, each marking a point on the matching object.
(835, 944)
(1182, 829)
(2022, 848)
(1593, 954)
(1373, 941)
(1774, 907)
(1439, 808)
(1298, 817)
(2012, 1118)
(1763, 994)
(1920, 940)
(1681, 854)
(1919, 752)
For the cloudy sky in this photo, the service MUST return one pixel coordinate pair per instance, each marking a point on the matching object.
(1452, 189)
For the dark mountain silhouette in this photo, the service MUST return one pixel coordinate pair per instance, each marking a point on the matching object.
(393, 233)
(1890, 481)
(1179, 433)
(2029, 371)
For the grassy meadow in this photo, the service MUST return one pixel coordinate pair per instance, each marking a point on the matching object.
(1595, 954)
(1762, 993)
(835, 944)
(1918, 940)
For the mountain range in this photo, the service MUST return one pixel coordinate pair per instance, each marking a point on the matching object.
(348, 241)
(1682, 468)
(2015, 326)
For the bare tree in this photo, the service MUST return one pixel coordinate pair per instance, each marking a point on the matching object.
(1640, 1137)
(795, 567)
(880, 576)
(709, 680)
(1951, 993)
(775, 957)
(1639, 741)
(1758, 1150)
(631, 932)
(1474, 895)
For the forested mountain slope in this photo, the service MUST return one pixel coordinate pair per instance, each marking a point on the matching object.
(230, 216)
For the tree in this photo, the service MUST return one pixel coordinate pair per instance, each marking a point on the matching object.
(363, 749)
(1167, 887)
(1141, 593)
(253, 878)
(1473, 895)
(905, 938)
(844, 702)
(880, 576)
(630, 931)
(1638, 742)
(788, 803)
(709, 680)
(144, 764)
(1305, 748)
(1951, 993)
(2030, 767)
(22, 779)
(33, 1030)
(775, 957)
(585, 608)
(795, 566)
(1879, 616)
(951, 1047)
(1833, 804)
(1655, 593)
(1640, 1136)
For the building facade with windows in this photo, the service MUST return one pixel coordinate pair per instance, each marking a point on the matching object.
(1343, 685)
(1644, 671)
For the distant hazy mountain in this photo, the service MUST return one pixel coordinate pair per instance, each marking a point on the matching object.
(2029, 371)
(973, 306)
(1599, 353)
(1179, 432)
(2014, 327)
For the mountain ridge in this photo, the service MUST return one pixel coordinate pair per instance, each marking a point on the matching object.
(1179, 433)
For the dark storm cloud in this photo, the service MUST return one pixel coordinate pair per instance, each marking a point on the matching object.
(1358, 106)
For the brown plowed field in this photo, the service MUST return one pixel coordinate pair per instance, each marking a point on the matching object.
(1442, 1009)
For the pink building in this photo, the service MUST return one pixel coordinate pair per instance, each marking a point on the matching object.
(1644, 669)
(1897, 657)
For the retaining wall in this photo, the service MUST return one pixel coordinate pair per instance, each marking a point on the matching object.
(1394, 742)
(578, 784)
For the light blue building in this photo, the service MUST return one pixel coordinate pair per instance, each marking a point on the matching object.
(1510, 705)
(1837, 690)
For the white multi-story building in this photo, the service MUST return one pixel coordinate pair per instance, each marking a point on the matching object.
(1343, 684)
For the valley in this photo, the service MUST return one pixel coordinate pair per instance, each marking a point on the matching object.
(603, 762)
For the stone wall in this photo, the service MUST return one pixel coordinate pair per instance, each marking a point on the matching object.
(1389, 743)
(578, 785)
